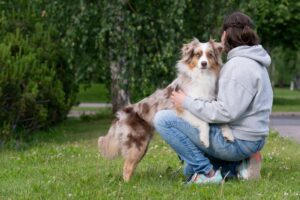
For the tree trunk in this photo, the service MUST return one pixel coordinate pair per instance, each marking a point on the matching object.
(119, 95)
(271, 68)
(119, 81)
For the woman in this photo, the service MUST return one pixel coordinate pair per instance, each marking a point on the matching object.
(244, 102)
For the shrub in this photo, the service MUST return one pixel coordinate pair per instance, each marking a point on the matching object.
(37, 88)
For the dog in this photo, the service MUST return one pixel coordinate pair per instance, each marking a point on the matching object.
(132, 129)
(202, 71)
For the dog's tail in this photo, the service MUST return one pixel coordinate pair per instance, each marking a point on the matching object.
(109, 145)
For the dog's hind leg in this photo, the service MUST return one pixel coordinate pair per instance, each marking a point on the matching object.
(132, 158)
(129, 167)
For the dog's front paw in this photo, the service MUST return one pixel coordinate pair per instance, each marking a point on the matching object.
(204, 137)
(204, 141)
(228, 135)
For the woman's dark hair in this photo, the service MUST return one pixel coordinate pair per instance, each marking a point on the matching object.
(239, 31)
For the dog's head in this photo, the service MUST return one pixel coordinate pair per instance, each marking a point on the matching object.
(200, 57)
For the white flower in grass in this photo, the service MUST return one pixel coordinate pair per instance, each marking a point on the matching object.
(285, 194)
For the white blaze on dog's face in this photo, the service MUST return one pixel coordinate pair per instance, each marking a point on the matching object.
(200, 58)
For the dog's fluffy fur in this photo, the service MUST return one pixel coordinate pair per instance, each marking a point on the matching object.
(132, 130)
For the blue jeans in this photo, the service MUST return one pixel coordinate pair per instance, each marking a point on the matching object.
(184, 139)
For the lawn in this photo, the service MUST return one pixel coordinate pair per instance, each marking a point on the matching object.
(96, 92)
(286, 100)
(64, 163)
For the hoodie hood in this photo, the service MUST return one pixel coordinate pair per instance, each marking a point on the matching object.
(257, 53)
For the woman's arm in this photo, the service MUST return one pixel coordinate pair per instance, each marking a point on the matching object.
(232, 101)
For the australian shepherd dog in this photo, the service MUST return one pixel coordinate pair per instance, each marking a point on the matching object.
(132, 129)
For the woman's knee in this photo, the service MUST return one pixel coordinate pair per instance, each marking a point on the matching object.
(163, 117)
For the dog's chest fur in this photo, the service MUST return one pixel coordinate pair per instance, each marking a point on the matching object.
(202, 87)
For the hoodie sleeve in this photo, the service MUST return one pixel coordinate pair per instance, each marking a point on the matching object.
(232, 101)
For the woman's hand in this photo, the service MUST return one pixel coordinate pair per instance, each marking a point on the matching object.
(178, 98)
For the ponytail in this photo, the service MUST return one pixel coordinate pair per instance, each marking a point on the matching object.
(239, 31)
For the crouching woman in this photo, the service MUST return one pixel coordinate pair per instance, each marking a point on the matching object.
(244, 102)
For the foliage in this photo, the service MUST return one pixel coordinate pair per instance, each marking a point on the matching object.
(277, 21)
(278, 25)
(287, 65)
(78, 24)
(153, 34)
(203, 19)
(77, 41)
(146, 38)
(36, 85)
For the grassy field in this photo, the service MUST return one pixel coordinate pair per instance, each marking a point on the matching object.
(94, 93)
(284, 99)
(64, 163)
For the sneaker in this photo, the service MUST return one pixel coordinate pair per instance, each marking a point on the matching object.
(250, 168)
(202, 179)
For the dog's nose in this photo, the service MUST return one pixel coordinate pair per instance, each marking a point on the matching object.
(204, 63)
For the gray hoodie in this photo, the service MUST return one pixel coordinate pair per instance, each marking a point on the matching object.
(244, 99)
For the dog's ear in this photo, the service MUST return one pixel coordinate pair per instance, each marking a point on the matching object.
(187, 51)
(217, 46)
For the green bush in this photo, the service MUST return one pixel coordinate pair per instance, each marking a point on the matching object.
(37, 87)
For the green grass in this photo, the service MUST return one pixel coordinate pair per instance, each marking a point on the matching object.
(286, 100)
(286, 93)
(286, 108)
(64, 163)
(95, 93)
(77, 108)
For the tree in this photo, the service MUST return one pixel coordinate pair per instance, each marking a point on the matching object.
(277, 21)
(278, 25)
(37, 87)
(142, 40)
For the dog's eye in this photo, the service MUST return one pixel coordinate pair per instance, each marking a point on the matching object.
(198, 55)
(210, 55)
